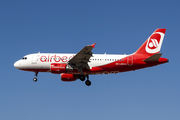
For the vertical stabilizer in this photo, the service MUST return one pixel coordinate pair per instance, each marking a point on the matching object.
(153, 44)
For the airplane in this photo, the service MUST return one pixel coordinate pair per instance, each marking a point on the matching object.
(79, 66)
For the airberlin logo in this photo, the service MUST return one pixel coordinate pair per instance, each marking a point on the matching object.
(55, 58)
(154, 42)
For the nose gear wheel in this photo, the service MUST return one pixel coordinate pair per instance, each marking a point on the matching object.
(35, 78)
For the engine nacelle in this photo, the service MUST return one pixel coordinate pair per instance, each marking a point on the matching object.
(68, 77)
(59, 68)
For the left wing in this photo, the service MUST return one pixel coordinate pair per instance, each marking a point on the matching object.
(81, 59)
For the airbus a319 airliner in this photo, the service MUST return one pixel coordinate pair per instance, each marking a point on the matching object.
(85, 63)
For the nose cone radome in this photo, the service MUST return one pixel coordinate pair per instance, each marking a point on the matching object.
(17, 64)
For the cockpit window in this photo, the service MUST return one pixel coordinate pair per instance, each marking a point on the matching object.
(24, 58)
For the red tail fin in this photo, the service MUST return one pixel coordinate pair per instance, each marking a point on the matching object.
(153, 44)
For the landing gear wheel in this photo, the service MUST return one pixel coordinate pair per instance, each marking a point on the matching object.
(35, 79)
(82, 77)
(88, 83)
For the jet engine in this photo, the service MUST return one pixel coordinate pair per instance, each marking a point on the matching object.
(58, 68)
(68, 77)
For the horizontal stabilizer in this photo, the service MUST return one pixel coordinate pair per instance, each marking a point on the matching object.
(154, 57)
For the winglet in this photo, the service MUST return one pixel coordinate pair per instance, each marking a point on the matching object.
(93, 45)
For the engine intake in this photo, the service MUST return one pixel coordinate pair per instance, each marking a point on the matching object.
(58, 68)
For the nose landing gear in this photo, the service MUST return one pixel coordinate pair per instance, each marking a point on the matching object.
(35, 78)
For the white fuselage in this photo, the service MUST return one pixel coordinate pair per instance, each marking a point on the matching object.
(44, 60)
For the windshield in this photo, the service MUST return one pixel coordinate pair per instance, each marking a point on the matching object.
(24, 58)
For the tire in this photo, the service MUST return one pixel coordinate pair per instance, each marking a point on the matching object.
(35, 79)
(88, 83)
(82, 77)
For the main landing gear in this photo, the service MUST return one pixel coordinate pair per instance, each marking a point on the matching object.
(82, 78)
(35, 78)
(88, 82)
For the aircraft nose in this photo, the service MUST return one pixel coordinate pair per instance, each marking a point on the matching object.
(17, 64)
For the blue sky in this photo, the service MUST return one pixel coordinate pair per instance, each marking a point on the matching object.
(66, 26)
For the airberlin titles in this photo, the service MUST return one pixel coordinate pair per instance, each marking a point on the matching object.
(55, 58)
